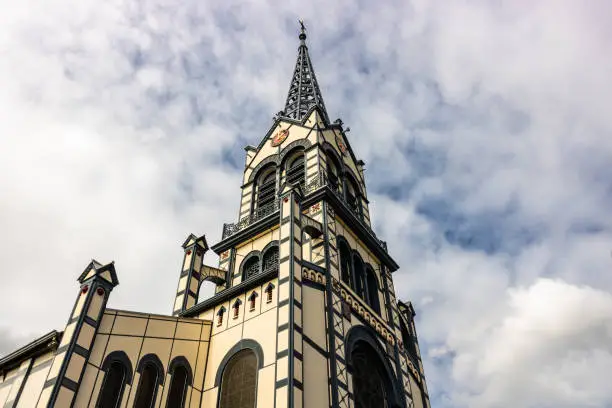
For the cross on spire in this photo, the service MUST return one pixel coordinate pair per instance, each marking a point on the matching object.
(304, 92)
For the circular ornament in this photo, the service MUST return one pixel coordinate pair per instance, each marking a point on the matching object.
(100, 291)
(341, 144)
(84, 289)
(280, 137)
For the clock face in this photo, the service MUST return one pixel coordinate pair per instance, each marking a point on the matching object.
(341, 144)
(280, 137)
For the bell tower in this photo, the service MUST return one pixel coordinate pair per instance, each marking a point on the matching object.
(304, 284)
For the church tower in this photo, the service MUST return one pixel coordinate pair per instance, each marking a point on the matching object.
(304, 314)
(303, 274)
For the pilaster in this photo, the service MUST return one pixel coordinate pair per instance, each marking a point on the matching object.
(66, 372)
(191, 273)
(289, 350)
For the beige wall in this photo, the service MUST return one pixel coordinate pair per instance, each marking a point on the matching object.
(138, 334)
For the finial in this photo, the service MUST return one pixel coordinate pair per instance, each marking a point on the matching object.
(302, 30)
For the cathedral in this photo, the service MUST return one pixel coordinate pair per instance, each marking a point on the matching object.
(304, 313)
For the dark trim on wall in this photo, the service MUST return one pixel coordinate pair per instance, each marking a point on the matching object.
(152, 359)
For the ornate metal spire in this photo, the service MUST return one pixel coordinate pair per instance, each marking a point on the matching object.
(304, 92)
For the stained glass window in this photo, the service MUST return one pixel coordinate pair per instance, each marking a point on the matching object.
(250, 268)
(178, 388)
(147, 387)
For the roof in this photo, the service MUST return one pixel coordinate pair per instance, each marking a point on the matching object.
(48, 342)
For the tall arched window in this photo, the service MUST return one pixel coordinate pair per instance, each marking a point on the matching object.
(118, 373)
(239, 381)
(250, 267)
(345, 263)
(181, 378)
(295, 169)
(352, 195)
(270, 259)
(372, 289)
(151, 375)
(333, 172)
(369, 380)
(266, 190)
(358, 276)
(408, 340)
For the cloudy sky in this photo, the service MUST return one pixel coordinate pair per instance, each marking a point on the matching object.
(484, 126)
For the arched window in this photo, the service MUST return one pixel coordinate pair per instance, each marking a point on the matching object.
(270, 259)
(250, 267)
(345, 263)
(408, 340)
(252, 301)
(269, 290)
(181, 377)
(239, 381)
(118, 373)
(333, 172)
(151, 375)
(266, 191)
(295, 169)
(351, 195)
(372, 289)
(358, 276)
(220, 314)
(369, 385)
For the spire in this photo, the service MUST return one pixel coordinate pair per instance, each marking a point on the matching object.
(304, 92)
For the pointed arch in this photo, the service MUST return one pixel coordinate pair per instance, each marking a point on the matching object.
(244, 344)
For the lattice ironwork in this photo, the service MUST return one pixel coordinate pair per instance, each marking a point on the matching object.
(304, 91)
(258, 214)
(270, 259)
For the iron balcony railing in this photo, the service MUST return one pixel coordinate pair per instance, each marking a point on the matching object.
(317, 182)
(258, 214)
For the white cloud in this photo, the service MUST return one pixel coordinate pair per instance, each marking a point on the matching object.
(118, 118)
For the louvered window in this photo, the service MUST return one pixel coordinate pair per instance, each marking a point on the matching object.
(295, 171)
(266, 191)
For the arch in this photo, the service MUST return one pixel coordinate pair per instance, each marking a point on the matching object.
(269, 260)
(264, 189)
(181, 377)
(151, 373)
(359, 275)
(244, 344)
(333, 167)
(372, 294)
(407, 339)
(118, 373)
(238, 388)
(344, 252)
(362, 338)
(270, 160)
(300, 143)
(352, 193)
(250, 265)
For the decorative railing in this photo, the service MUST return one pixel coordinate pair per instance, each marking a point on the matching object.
(258, 214)
(317, 182)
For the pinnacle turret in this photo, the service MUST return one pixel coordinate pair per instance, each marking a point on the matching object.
(304, 92)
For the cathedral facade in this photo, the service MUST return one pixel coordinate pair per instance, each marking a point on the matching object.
(304, 312)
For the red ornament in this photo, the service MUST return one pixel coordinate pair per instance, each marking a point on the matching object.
(84, 289)
(286, 200)
(100, 291)
(189, 252)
